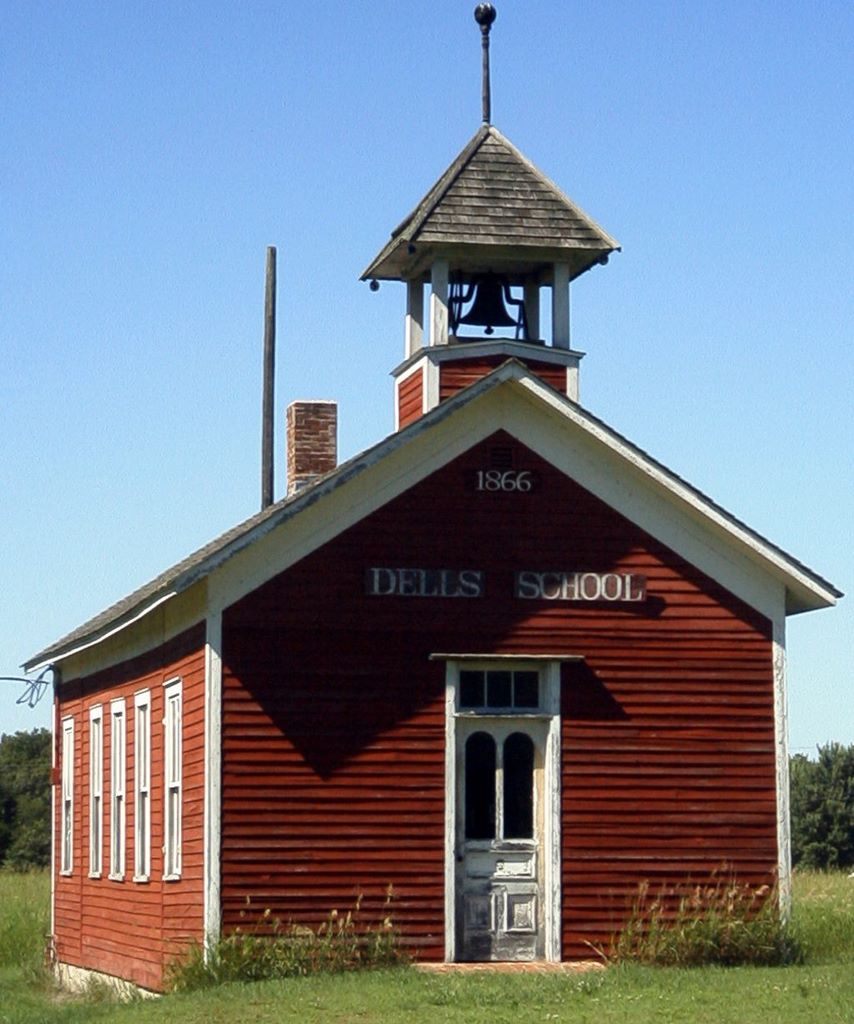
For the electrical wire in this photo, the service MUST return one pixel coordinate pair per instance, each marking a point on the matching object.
(35, 688)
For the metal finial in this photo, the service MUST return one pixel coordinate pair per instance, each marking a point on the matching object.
(485, 15)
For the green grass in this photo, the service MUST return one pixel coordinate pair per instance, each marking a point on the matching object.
(823, 916)
(24, 919)
(820, 991)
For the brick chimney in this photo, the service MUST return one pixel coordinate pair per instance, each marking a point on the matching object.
(312, 442)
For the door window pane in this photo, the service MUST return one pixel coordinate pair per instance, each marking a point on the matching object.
(518, 787)
(471, 689)
(526, 690)
(499, 690)
(480, 786)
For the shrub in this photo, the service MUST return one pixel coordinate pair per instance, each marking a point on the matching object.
(822, 799)
(25, 800)
(273, 950)
(723, 923)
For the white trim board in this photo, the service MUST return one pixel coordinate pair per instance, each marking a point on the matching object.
(112, 631)
(507, 657)
(781, 745)
(213, 787)
(461, 349)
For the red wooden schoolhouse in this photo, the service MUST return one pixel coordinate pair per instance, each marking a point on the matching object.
(504, 662)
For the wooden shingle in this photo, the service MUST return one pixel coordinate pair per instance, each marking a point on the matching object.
(492, 207)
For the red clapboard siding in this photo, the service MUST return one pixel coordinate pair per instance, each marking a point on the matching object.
(126, 928)
(410, 398)
(333, 765)
(454, 376)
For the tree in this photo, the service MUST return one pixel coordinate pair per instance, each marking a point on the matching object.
(25, 799)
(822, 802)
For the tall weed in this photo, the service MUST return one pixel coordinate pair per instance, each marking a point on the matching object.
(271, 949)
(723, 923)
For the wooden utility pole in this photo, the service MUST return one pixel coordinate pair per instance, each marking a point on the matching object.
(268, 415)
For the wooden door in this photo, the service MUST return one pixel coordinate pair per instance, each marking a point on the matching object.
(499, 847)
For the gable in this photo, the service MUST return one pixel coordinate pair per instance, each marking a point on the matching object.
(448, 529)
(582, 448)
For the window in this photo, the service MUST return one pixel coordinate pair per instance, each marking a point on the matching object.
(499, 690)
(142, 787)
(480, 786)
(118, 735)
(518, 784)
(96, 790)
(499, 786)
(172, 780)
(67, 784)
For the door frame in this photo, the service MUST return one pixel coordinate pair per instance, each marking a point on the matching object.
(549, 712)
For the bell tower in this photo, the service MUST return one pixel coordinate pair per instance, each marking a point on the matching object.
(490, 239)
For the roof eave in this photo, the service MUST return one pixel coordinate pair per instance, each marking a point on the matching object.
(409, 261)
(176, 581)
(411, 224)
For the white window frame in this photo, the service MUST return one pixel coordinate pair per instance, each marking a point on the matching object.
(118, 773)
(142, 786)
(66, 838)
(96, 791)
(172, 778)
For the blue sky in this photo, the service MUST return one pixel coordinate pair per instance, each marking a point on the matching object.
(151, 152)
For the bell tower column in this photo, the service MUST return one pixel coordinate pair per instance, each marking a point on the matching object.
(414, 317)
(532, 308)
(439, 302)
(560, 306)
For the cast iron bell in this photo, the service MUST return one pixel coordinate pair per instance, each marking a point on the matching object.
(488, 309)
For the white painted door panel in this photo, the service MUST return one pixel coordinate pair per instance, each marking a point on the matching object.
(500, 768)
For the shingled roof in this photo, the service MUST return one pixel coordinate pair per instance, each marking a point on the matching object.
(492, 196)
